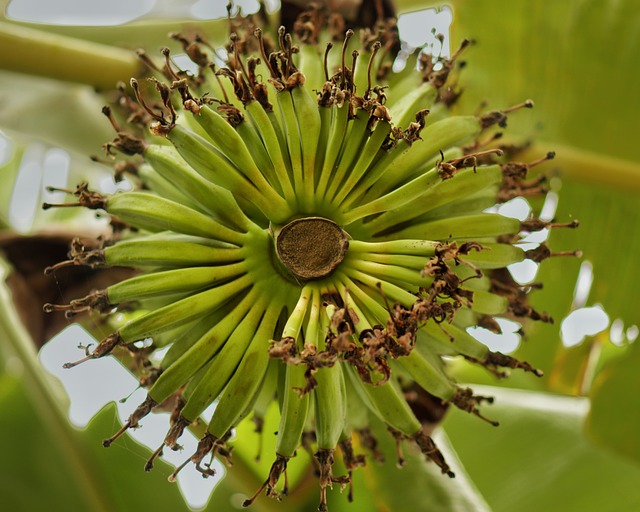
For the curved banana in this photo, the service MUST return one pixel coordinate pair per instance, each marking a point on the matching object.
(226, 362)
(156, 213)
(218, 200)
(201, 351)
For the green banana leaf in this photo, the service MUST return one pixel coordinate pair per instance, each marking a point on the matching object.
(578, 61)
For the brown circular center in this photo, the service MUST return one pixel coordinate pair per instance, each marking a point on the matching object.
(311, 248)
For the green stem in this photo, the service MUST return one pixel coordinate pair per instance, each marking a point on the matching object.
(65, 58)
(147, 32)
(50, 411)
(589, 167)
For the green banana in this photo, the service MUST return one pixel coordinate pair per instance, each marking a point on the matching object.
(230, 143)
(330, 402)
(308, 121)
(464, 227)
(157, 184)
(169, 164)
(225, 363)
(200, 351)
(156, 253)
(291, 129)
(183, 342)
(295, 408)
(172, 281)
(409, 158)
(368, 154)
(205, 158)
(358, 135)
(156, 213)
(419, 98)
(245, 383)
(337, 132)
(272, 144)
(434, 195)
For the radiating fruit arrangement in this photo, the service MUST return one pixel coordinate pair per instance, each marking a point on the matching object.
(310, 229)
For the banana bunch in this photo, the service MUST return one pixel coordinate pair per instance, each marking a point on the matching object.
(310, 229)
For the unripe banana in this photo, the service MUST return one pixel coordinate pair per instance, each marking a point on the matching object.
(209, 163)
(386, 402)
(225, 364)
(192, 333)
(157, 184)
(246, 381)
(292, 134)
(308, 121)
(336, 138)
(408, 158)
(293, 416)
(358, 134)
(172, 281)
(272, 145)
(368, 154)
(330, 406)
(294, 408)
(230, 143)
(157, 253)
(436, 194)
(466, 227)
(156, 213)
(168, 163)
(311, 62)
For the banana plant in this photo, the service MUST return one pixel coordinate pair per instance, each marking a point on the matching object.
(298, 196)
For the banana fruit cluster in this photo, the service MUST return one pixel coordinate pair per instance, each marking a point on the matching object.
(310, 229)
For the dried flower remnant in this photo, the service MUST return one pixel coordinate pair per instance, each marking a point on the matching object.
(303, 219)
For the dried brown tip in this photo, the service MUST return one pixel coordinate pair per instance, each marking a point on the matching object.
(278, 468)
(149, 464)
(96, 300)
(326, 60)
(166, 52)
(399, 437)
(520, 169)
(465, 399)
(489, 323)
(431, 451)
(133, 422)
(178, 424)
(499, 117)
(542, 252)
(351, 462)
(531, 225)
(500, 359)
(524, 104)
(347, 36)
(104, 347)
(549, 156)
(205, 445)
(162, 126)
(374, 51)
(448, 169)
(106, 110)
(325, 461)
